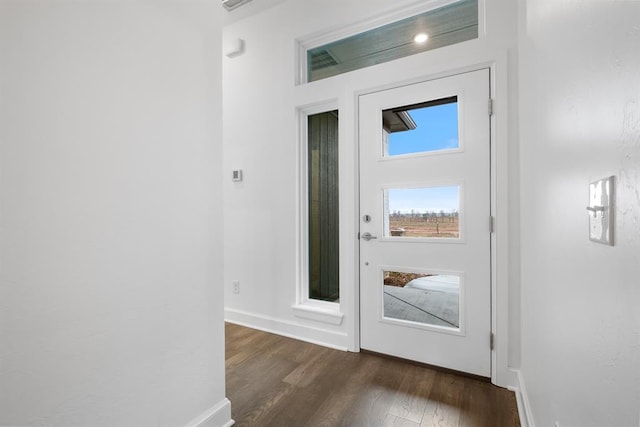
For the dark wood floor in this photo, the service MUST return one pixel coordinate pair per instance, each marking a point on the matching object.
(281, 382)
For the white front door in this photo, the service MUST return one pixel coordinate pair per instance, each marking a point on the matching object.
(425, 266)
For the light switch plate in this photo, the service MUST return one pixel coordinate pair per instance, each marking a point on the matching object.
(601, 210)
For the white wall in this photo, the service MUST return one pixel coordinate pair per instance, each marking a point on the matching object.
(110, 222)
(580, 121)
(260, 137)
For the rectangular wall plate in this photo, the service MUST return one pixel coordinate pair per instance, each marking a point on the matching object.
(601, 210)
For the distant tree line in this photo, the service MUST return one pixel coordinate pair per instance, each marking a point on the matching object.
(414, 216)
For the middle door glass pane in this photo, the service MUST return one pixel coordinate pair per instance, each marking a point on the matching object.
(428, 212)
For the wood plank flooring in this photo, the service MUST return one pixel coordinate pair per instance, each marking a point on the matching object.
(282, 382)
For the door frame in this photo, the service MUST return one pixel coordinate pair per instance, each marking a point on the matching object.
(499, 176)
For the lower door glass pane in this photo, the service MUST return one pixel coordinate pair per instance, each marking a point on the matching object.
(431, 299)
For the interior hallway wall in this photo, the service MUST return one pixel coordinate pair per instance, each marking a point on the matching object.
(111, 311)
(580, 121)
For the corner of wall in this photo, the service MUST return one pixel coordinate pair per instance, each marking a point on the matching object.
(218, 415)
(522, 399)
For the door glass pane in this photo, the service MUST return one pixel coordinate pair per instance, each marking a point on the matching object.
(431, 212)
(323, 206)
(421, 128)
(430, 299)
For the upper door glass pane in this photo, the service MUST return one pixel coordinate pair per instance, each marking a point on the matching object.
(422, 128)
(447, 25)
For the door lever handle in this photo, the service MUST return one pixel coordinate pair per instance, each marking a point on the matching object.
(367, 236)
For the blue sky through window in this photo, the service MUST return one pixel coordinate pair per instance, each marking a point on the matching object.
(423, 200)
(437, 129)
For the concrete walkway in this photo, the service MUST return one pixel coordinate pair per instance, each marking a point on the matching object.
(433, 300)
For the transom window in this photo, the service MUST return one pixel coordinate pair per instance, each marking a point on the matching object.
(453, 23)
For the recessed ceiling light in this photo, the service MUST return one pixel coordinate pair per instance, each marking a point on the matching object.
(421, 38)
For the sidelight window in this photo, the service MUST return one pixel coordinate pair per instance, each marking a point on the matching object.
(323, 215)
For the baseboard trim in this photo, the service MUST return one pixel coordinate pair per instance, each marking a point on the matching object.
(522, 399)
(216, 416)
(323, 337)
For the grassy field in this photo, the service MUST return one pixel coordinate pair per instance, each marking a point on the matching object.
(445, 227)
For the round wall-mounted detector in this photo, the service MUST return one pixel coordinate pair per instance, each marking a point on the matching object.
(420, 38)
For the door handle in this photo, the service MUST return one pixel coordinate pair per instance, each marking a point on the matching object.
(367, 236)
